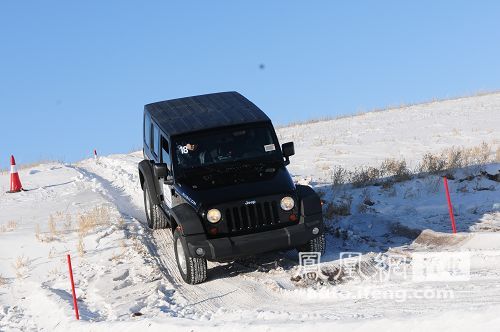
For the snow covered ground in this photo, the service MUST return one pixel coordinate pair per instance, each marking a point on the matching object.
(407, 132)
(126, 277)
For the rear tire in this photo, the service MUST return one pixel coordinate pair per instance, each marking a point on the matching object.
(318, 244)
(193, 270)
(155, 218)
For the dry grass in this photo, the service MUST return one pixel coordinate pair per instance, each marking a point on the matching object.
(329, 211)
(92, 219)
(396, 170)
(53, 228)
(479, 155)
(366, 201)
(38, 234)
(121, 223)
(68, 223)
(343, 208)
(432, 164)
(367, 197)
(393, 170)
(9, 227)
(58, 224)
(88, 222)
(117, 257)
(3, 280)
(21, 266)
(363, 208)
(53, 273)
(456, 157)
(80, 248)
(363, 176)
(52, 252)
(339, 176)
(61, 222)
(139, 247)
(340, 206)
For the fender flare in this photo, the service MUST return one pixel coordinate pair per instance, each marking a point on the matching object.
(146, 175)
(188, 220)
(310, 203)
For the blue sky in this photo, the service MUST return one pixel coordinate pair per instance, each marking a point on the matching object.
(74, 76)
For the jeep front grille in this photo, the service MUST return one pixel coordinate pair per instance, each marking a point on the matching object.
(252, 216)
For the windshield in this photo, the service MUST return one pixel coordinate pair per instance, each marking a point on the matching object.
(226, 147)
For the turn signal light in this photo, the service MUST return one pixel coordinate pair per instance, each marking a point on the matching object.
(293, 217)
(213, 231)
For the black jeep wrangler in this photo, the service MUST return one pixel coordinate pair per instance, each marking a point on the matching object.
(214, 172)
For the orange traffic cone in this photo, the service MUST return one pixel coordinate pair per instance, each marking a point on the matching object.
(15, 182)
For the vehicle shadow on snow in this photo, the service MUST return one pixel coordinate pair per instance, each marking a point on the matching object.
(265, 262)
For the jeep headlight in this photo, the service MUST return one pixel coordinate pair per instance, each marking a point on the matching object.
(213, 216)
(287, 203)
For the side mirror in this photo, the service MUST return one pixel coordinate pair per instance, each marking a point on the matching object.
(288, 150)
(161, 171)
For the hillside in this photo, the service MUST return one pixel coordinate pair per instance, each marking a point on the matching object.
(407, 133)
(126, 276)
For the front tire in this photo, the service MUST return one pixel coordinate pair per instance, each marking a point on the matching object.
(318, 244)
(193, 270)
(155, 218)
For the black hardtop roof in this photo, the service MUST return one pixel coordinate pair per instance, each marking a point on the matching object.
(190, 114)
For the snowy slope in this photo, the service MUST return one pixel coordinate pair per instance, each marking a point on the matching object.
(407, 133)
(123, 270)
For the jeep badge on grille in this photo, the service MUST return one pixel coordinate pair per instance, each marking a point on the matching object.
(250, 202)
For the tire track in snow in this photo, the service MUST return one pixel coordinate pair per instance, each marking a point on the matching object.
(127, 208)
(118, 181)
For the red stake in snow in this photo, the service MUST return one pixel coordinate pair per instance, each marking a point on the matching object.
(95, 154)
(75, 305)
(450, 207)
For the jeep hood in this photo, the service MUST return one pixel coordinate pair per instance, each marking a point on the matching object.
(279, 183)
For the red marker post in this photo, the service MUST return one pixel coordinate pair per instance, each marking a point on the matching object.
(450, 207)
(75, 304)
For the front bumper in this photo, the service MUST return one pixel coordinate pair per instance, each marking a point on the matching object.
(231, 247)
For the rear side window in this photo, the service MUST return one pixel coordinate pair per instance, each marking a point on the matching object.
(147, 129)
(155, 146)
(165, 154)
